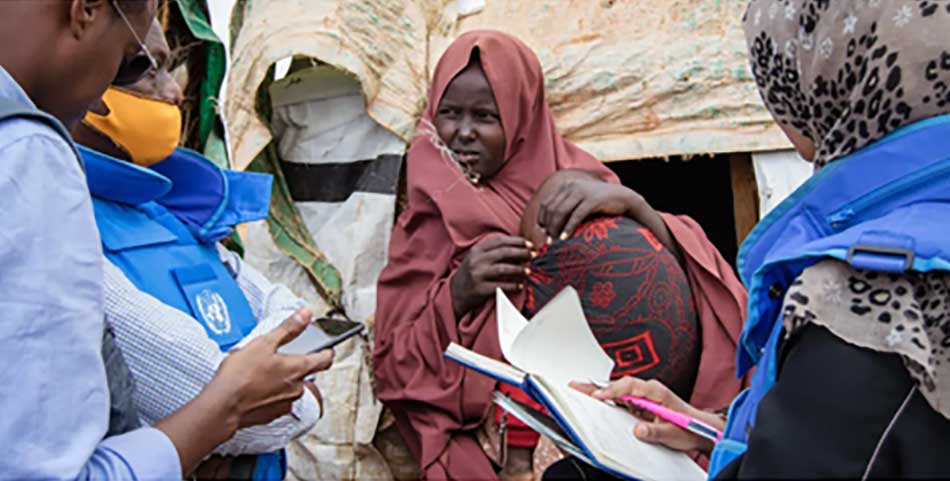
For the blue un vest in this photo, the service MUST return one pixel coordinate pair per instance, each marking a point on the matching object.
(160, 227)
(884, 208)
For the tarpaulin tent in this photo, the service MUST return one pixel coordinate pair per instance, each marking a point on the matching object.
(200, 62)
(626, 80)
(327, 237)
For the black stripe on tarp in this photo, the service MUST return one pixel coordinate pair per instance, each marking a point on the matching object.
(335, 182)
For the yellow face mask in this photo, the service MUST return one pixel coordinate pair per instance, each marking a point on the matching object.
(147, 129)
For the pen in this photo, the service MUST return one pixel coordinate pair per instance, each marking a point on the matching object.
(688, 423)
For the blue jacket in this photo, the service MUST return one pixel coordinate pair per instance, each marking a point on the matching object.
(881, 209)
(160, 226)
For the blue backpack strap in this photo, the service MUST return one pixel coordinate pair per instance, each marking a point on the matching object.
(123, 415)
(882, 251)
(10, 110)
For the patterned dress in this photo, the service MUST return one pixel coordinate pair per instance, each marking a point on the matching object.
(635, 296)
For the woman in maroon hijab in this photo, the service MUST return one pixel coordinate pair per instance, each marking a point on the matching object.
(487, 141)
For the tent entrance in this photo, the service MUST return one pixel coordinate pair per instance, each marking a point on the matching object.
(704, 188)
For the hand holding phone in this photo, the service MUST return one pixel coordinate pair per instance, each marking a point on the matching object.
(324, 333)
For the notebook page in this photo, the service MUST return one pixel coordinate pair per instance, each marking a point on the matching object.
(559, 345)
(510, 324)
(608, 432)
(485, 364)
(542, 423)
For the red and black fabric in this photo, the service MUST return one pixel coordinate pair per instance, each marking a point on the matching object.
(635, 296)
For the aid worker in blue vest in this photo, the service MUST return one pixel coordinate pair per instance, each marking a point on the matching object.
(178, 301)
(56, 58)
(849, 289)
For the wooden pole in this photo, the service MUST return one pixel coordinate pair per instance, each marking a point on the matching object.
(745, 194)
(163, 8)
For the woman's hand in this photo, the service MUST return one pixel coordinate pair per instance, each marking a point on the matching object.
(567, 207)
(655, 430)
(496, 262)
(578, 197)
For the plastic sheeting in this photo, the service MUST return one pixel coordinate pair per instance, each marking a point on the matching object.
(340, 172)
(210, 139)
(778, 174)
(626, 79)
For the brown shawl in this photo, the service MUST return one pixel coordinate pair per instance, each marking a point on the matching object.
(437, 403)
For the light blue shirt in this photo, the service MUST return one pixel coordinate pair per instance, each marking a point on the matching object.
(53, 386)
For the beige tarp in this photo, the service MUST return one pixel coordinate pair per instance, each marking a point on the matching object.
(627, 79)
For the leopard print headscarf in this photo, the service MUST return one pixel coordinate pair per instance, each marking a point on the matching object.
(848, 72)
(907, 315)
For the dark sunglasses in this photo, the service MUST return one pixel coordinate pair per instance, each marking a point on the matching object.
(132, 70)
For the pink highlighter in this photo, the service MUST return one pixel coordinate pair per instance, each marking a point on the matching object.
(692, 425)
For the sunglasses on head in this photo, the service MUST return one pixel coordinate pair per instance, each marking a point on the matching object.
(132, 70)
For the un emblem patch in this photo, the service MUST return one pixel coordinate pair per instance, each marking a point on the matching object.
(214, 312)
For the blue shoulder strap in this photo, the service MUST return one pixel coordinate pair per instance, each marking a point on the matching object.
(123, 415)
(10, 109)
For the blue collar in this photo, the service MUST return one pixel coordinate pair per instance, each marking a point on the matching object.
(121, 182)
(873, 198)
(825, 203)
(208, 200)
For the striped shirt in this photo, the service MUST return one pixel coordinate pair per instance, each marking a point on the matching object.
(172, 358)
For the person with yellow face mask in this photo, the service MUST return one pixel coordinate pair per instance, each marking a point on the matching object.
(176, 300)
(142, 128)
(139, 122)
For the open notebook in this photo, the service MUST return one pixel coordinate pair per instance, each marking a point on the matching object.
(557, 347)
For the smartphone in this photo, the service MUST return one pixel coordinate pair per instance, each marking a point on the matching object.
(321, 334)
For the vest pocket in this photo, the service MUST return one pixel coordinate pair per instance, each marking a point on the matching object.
(202, 289)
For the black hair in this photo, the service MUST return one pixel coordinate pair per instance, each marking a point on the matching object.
(132, 6)
(475, 57)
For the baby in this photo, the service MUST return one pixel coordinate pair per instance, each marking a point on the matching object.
(635, 295)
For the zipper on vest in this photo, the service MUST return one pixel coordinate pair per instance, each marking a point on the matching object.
(845, 216)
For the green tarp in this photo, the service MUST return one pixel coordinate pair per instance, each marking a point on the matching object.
(210, 136)
(290, 234)
(286, 226)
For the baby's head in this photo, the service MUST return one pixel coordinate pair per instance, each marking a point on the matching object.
(530, 229)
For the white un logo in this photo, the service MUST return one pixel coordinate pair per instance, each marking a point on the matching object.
(214, 311)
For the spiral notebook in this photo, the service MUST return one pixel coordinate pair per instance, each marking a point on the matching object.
(557, 347)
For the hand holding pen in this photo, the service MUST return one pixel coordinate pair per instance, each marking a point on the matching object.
(684, 421)
(654, 429)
